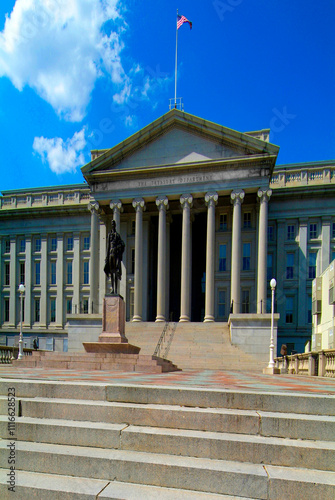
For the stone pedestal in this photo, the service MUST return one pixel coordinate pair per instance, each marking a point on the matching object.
(112, 339)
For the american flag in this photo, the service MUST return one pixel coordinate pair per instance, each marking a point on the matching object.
(181, 20)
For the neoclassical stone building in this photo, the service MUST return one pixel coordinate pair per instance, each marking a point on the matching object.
(207, 219)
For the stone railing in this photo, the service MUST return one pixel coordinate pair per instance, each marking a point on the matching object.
(299, 177)
(61, 197)
(8, 353)
(321, 363)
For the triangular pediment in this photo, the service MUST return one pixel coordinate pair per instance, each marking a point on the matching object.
(176, 138)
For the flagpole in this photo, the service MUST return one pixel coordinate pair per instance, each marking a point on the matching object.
(175, 73)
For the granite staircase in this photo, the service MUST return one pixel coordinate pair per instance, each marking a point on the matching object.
(103, 441)
(195, 346)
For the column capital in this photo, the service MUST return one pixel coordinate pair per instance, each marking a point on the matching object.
(116, 205)
(211, 198)
(94, 207)
(237, 197)
(186, 199)
(264, 195)
(162, 203)
(139, 204)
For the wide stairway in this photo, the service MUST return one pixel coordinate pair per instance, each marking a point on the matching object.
(99, 441)
(195, 346)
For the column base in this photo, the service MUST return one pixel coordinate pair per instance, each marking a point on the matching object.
(272, 370)
(136, 319)
(209, 319)
(184, 319)
(160, 319)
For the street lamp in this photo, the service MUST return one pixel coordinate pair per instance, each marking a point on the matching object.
(271, 369)
(21, 290)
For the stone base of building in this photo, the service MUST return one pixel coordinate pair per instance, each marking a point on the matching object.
(271, 370)
(252, 332)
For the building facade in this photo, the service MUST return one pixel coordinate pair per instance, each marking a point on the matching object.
(207, 218)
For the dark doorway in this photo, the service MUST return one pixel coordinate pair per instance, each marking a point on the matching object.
(175, 266)
(199, 229)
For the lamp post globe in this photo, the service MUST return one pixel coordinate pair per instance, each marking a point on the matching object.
(273, 283)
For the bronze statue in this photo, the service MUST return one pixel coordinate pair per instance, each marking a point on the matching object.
(115, 249)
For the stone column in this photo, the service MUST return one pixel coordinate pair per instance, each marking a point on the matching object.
(264, 196)
(76, 273)
(94, 258)
(28, 284)
(13, 284)
(185, 299)
(60, 280)
(44, 281)
(116, 206)
(211, 199)
(324, 259)
(162, 204)
(103, 249)
(139, 206)
(237, 198)
(303, 270)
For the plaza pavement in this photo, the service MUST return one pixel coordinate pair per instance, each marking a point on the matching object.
(214, 379)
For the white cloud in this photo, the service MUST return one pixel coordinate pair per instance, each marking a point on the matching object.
(60, 47)
(62, 156)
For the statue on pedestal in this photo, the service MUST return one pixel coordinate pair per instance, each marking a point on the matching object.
(115, 249)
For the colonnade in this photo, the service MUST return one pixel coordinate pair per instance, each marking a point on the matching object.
(186, 201)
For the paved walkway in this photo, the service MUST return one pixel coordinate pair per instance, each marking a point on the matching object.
(214, 379)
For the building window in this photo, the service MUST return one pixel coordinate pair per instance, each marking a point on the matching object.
(37, 273)
(247, 220)
(309, 309)
(312, 265)
(22, 245)
(52, 310)
(289, 266)
(269, 266)
(222, 303)
(86, 272)
(333, 255)
(69, 306)
(7, 246)
(133, 227)
(38, 245)
(132, 260)
(23, 309)
(7, 273)
(313, 231)
(22, 273)
(246, 257)
(37, 310)
(70, 243)
(222, 257)
(85, 306)
(291, 232)
(289, 310)
(53, 244)
(69, 273)
(270, 233)
(86, 243)
(333, 230)
(245, 301)
(53, 273)
(223, 222)
(6, 309)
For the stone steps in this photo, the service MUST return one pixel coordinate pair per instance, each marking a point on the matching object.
(56, 487)
(195, 346)
(93, 361)
(132, 441)
(202, 444)
(188, 473)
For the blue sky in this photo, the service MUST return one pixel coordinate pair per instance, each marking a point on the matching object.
(77, 75)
